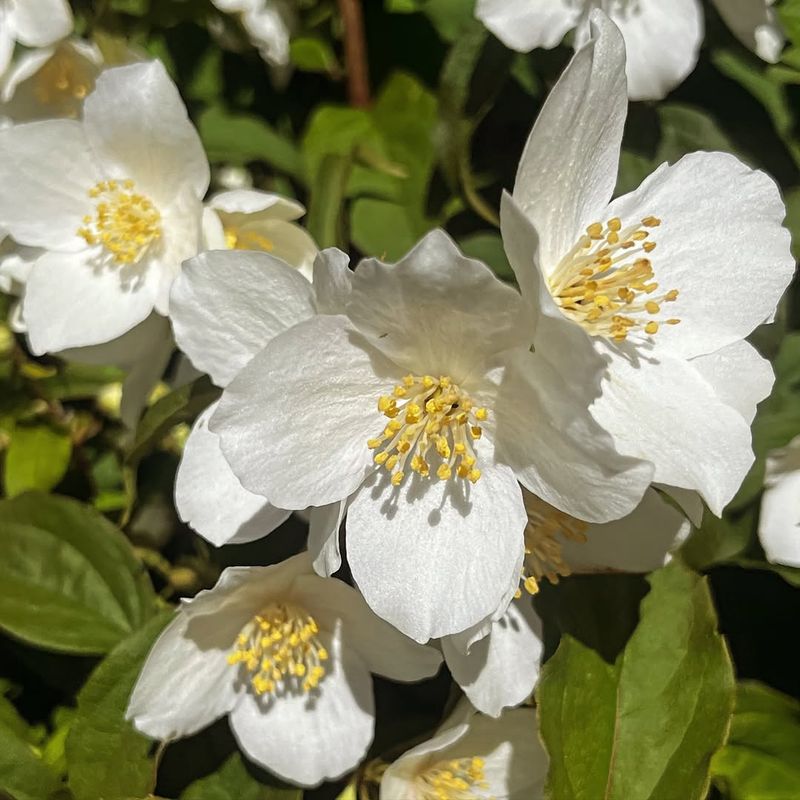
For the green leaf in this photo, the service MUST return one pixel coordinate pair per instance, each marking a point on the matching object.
(239, 138)
(23, 774)
(646, 726)
(233, 782)
(70, 581)
(760, 760)
(488, 247)
(37, 458)
(326, 202)
(685, 129)
(313, 54)
(181, 405)
(106, 757)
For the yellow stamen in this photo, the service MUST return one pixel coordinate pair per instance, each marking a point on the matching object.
(238, 239)
(605, 281)
(457, 779)
(125, 223)
(279, 651)
(63, 81)
(430, 418)
(543, 556)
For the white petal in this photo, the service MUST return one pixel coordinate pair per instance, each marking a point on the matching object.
(308, 738)
(724, 249)
(569, 167)
(290, 242)
(779, 522)
(245, 202)
(662, 40)
(323, 537)
(72, 301)
(210, 498)
(186, 682)
(663, 410)
(43, 22)
(333, 281)
(689, 501)
(545, 432)
(227, 305)
(641, 542)
(6, 40)
(50, 166)
(501, 669)
(755, 24)
(139, 129)
(383, 649)
(435, 311)
(28, 64)
(724, 370)
(527, 24)
(435, 557)
(294, 424)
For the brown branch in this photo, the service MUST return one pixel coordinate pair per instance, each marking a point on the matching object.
(355, 53)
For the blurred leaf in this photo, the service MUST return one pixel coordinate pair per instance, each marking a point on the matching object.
(74, 381)
(233, 782)
(23, 774)
(647, 725)
(326, 201)
(488, 247)
(313, 54)
(37, 458)
(181, 405)
(70, 580)
(761, 760)
(685, 129)
(718, 540)
(239, 138)
(106, 757)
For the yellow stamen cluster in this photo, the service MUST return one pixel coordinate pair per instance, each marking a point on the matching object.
(280, 651)
(606, 282)
(543, 556)
(459, 779)
(238, 239)
(63, 82)
(429, 419)
(125, 223)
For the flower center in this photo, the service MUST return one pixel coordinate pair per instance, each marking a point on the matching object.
(62, 82)
(279, 651)
(125, 223)
(459, 779)
(543, 556)
(429, 419)
(606, 282)
(238, 239)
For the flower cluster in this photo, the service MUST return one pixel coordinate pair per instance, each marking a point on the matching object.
(455, 441)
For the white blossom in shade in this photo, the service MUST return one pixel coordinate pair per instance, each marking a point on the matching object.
(287, 655)
(653, 281)
(51, 82)
(473, 757)
(225, 308)
(249, 219)
(268, 24)
(419, 402)
(497, 663)
(779, 521)
(662, 37)
(114, 200)
(33, 23)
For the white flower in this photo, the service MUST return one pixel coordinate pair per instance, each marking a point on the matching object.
(288, 656)
(51, 82)
(497, 663)
(779, 521)
(115, 200)
(268, 24)
(261, 295)
(662, 37)
(699, 243)
(33, 23)
(418, 394)
(473, 757)
(249, 219)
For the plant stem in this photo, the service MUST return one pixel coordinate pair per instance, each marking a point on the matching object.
(355, 53)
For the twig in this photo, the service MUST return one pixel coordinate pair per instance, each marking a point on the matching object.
(355, 53)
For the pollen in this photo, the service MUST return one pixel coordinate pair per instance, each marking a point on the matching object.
(125, 223)
(431, 426)
(279, 651)
(239, 239)
(546, 529)
(458, 779)
(607, 281)
(63, 82)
